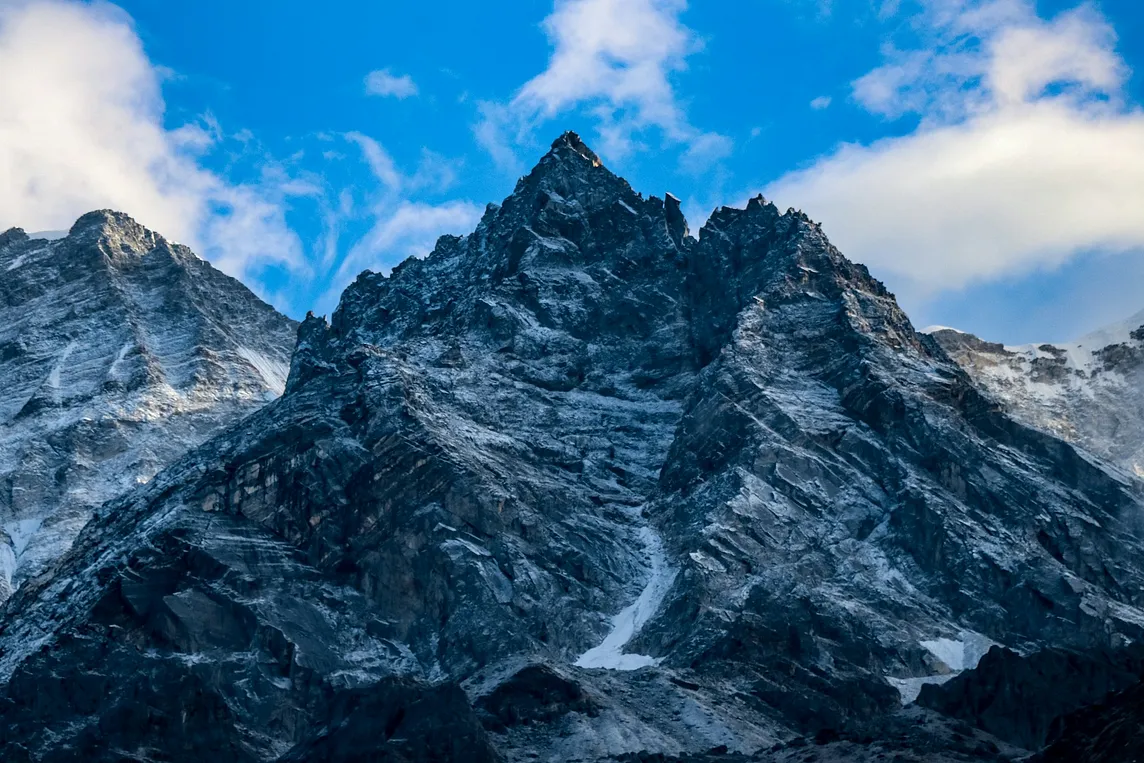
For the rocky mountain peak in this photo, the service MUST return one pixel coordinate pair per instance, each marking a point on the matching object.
(119, 351)
(119, 238)
(574, 248)
(570, 173)
(104, 220)
(571, 144)
(12, 236)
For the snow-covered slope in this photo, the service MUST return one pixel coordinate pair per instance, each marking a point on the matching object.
(1090, 391)
(119, 351)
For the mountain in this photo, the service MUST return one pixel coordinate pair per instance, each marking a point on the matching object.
(582, 486)
(1090, 392)
(119, 352)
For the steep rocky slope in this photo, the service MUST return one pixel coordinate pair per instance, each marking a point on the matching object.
(579, 485)
(1109, 731)
(119, 352)
(1023, 698)
(1090, 392)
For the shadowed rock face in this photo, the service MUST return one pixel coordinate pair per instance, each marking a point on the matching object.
(729, 461)
(119, 352)
(1024, 699)
(1108, 731)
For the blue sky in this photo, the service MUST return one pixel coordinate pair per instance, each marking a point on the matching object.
(984, 157)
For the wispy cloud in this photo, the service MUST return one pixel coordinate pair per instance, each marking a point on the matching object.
(434, 173)
(385, 83)
(821, 102)
(1026, 152)
(614, 59)
(409, 229)
(380, 162)
(401, 213)
(82, 128)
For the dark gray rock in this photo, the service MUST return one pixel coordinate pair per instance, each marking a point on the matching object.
(1109, 731)
(1022, 699)
(398, 721)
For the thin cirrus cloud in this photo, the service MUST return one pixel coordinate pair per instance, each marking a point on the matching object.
(1026, 154)
(408, 229)
(615, 59)
(380, 163)
(385, 83)
(82, 129)
(401, 224)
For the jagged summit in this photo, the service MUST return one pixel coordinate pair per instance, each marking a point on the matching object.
(12, 236)
(122, 241)
(569, 155)
(103, 218)
(571, 142)
(571, 172)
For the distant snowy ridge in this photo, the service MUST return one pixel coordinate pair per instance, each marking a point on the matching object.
(48, 235)
(1090, 391)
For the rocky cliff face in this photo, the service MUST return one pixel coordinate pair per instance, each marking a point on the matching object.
(580, 485)
(1090, 392)
(119, 352)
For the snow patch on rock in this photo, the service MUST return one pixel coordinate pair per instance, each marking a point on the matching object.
(54, 376)
(609, 655)
(959, 654)
(21, 531)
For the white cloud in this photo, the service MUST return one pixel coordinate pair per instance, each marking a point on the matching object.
(409, 230)
(1026, 154)
(820, 103)
(981, 54)
(380, 162)
(401, 225)
(615, 59)
(81, 129)
(383, 82)
(434, 173)
(704, 151)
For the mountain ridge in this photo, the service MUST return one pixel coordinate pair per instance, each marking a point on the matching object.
(483, 464)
